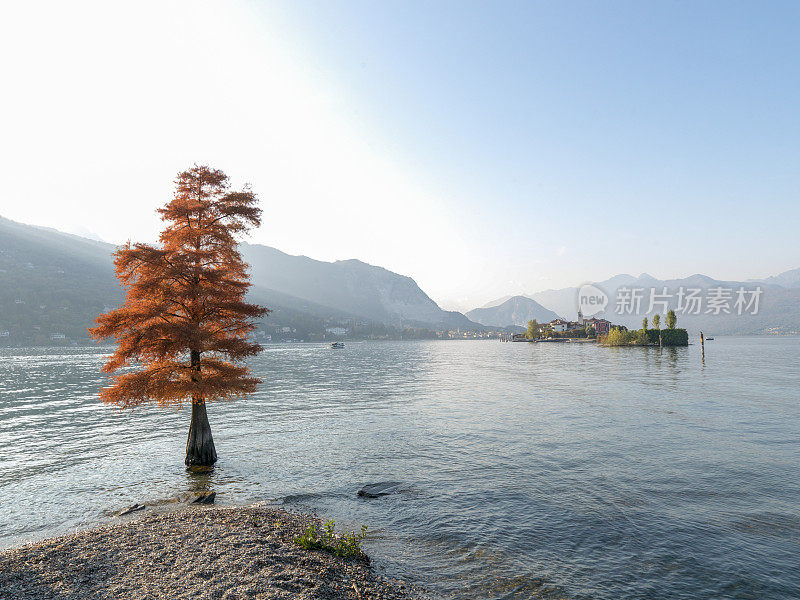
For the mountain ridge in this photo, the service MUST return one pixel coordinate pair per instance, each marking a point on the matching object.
(517, 310)
(368, 291)
(788, 279)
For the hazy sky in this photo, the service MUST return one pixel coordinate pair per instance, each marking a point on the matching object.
(483, 148)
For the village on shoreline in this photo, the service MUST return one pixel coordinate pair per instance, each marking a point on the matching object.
(603, 332)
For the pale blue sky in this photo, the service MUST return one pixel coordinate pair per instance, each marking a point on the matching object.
(588, 124)
(487, 148)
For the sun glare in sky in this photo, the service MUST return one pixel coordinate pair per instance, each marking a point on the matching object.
(429, 141)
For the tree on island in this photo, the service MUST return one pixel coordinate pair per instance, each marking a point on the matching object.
(644, 324)
(656, 321)
(185, 319)
(533, 330)
(672, 319)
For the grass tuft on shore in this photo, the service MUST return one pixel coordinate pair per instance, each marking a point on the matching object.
(347, 545)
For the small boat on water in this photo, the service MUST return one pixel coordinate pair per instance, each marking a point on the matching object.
(709, 339)
(337, 344)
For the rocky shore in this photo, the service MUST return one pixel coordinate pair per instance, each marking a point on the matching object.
(198, 553)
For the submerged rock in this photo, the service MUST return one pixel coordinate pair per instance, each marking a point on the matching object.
(131, 509)
(207, 498)
(376, 490)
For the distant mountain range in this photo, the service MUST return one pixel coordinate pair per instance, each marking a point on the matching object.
(779, 304)
(53, 283)
(517, 310)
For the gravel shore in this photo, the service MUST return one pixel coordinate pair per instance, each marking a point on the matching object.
(198, 553)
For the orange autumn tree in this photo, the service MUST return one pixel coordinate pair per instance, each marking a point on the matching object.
(185, 322)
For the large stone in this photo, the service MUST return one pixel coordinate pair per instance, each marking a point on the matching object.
(376, 490)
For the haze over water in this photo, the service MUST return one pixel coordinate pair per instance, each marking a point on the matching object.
(546, 470)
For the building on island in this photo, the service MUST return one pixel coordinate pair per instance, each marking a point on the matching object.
(599, 325)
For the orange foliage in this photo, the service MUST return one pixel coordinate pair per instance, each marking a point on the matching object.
(185, 311)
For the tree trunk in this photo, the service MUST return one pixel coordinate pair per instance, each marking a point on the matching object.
(200, 451)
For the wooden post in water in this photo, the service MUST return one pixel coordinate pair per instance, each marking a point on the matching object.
(702, 348)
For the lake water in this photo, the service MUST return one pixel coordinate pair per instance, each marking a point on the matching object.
(527, 470)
